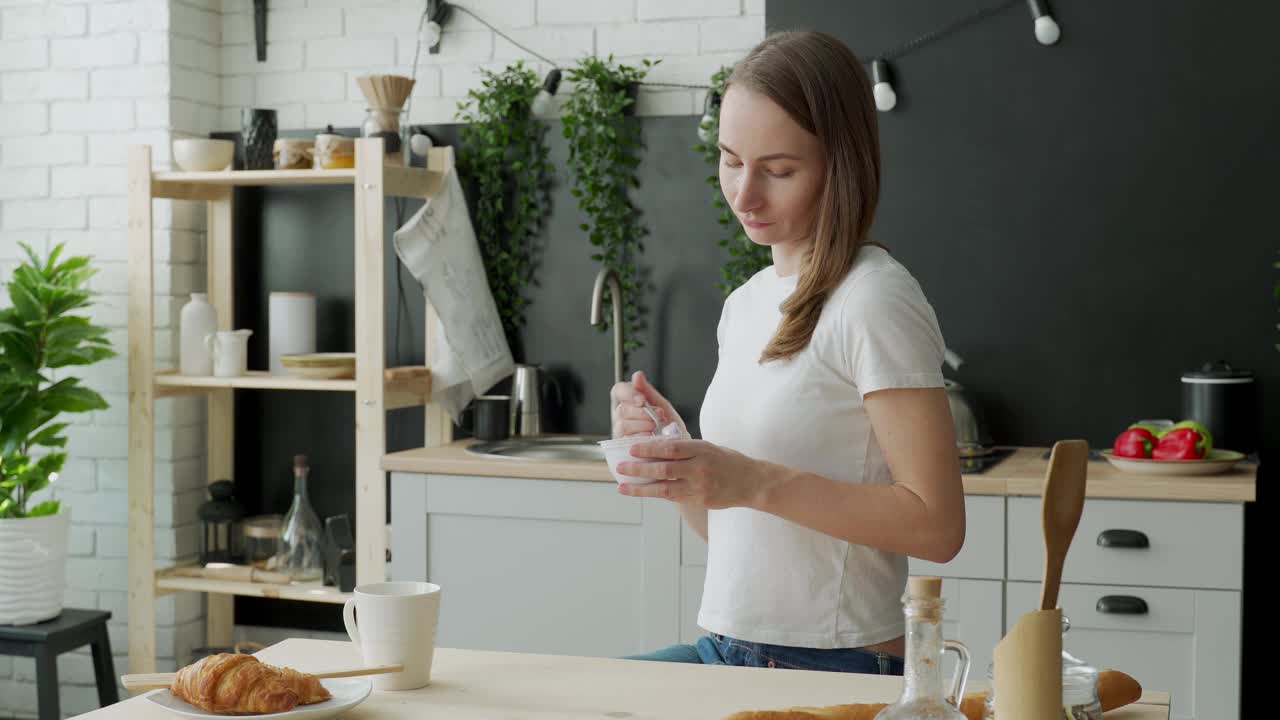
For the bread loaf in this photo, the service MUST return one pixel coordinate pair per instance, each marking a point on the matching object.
(1115, 689)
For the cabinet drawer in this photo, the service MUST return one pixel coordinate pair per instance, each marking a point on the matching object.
(982, 555)
(1191, 545)
(1187, 642)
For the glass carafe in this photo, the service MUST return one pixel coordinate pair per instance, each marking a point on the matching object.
(922, 692)
(300, 532)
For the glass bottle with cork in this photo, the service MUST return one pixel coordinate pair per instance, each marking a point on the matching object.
(922, 692)
(300, 556)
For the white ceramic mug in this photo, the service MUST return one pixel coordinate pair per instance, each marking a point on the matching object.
(230, 350)
(395, 622)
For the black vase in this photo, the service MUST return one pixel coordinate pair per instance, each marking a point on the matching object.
(258, 132)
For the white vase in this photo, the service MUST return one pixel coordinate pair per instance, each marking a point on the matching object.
(33, 558)
(197, 321)
(291, 326)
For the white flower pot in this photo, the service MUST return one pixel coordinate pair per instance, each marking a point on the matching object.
(33, 557)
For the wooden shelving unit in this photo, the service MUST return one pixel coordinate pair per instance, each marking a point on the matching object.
(375, 388)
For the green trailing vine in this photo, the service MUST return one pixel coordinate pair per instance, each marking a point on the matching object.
(503, 155)
(745, 257)
(603, 155)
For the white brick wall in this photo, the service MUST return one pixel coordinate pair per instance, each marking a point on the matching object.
(318, 47)
(80, 81)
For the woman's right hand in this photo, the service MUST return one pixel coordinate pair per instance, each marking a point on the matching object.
(629, 417)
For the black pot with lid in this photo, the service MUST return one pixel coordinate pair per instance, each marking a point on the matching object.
(1223, 399)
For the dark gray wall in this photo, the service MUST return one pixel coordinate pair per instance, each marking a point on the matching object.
(1090, 219)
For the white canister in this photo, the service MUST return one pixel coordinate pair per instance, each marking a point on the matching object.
(230, 350)
(291, 326)
(197, 321)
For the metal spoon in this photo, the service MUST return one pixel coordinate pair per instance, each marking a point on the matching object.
(653, 415)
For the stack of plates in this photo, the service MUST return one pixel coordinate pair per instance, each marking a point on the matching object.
(320, 366)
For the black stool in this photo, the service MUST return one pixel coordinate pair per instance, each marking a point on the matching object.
(47, 640)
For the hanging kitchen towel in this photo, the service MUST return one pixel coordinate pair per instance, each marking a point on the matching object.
(469, 352)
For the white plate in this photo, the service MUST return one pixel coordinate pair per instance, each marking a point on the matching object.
(347, 693)
(1217, 461)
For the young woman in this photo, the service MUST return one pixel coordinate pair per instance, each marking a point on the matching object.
(828, 453)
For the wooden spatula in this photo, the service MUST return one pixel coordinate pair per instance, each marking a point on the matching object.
(157, 681)
(1061, 506)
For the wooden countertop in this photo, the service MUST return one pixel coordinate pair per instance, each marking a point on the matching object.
(474, 684)
(1019, 474)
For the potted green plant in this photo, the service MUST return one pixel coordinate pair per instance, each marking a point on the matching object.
(604, 149)
(40, 335)
(745, 257)
(503, 157)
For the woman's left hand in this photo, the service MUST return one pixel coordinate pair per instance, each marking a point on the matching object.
(694, 471)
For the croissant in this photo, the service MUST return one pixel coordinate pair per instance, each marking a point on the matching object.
(306, 687)
(230, 683)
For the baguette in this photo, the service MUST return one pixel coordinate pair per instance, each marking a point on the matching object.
(1115, 689)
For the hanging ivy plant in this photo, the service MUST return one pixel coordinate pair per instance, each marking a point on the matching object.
(503, 155)
(745, 257)
(603, 155)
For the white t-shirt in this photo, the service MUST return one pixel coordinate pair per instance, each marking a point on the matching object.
(770, 580)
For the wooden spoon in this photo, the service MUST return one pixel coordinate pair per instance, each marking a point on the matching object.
(1063, 501)
(157, 681)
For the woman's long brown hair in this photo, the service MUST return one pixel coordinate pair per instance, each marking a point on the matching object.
(819, 82)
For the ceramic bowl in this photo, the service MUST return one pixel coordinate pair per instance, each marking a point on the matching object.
(196, 154)
(618, 450)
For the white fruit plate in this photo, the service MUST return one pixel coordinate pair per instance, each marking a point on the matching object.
(1216, 461)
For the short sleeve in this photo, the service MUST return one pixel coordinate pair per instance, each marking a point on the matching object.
(889, 333)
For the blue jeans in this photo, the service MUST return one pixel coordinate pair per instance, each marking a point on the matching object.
(716, 649)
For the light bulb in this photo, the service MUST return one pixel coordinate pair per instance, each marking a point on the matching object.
(882, 89)
(704, 129)
(1047, 30)
(431, 33)
(886, 98)
(420, 144)
(541, 102)
(710, 111)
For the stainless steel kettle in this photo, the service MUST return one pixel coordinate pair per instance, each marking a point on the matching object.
(526, 399)
(970, 424)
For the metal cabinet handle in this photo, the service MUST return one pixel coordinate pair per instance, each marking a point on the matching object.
(1122, 605)
(1133, 539)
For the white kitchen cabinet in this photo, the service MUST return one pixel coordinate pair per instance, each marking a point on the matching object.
(546, 566)
(982, 555)
(571, 567)
(1187, 641)
(1188, 545)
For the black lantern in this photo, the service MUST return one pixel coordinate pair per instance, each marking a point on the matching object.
(221, 517)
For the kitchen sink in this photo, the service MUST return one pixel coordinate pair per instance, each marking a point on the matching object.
(543, 447)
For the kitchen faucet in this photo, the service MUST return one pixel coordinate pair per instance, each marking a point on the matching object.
(615, 298)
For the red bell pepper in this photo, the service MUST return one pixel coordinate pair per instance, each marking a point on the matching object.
(1180, 444)
(1134, 443)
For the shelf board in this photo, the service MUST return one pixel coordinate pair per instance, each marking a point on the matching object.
(408, 386)
(309, 592)
(249, 178)
(397, 181)
(255, 380)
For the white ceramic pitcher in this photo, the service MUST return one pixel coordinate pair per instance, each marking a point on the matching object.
(230, 350)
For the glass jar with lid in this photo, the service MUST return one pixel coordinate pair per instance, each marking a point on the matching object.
(1079, 686)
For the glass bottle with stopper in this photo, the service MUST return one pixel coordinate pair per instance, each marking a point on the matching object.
(922, 692)
(300, 555)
